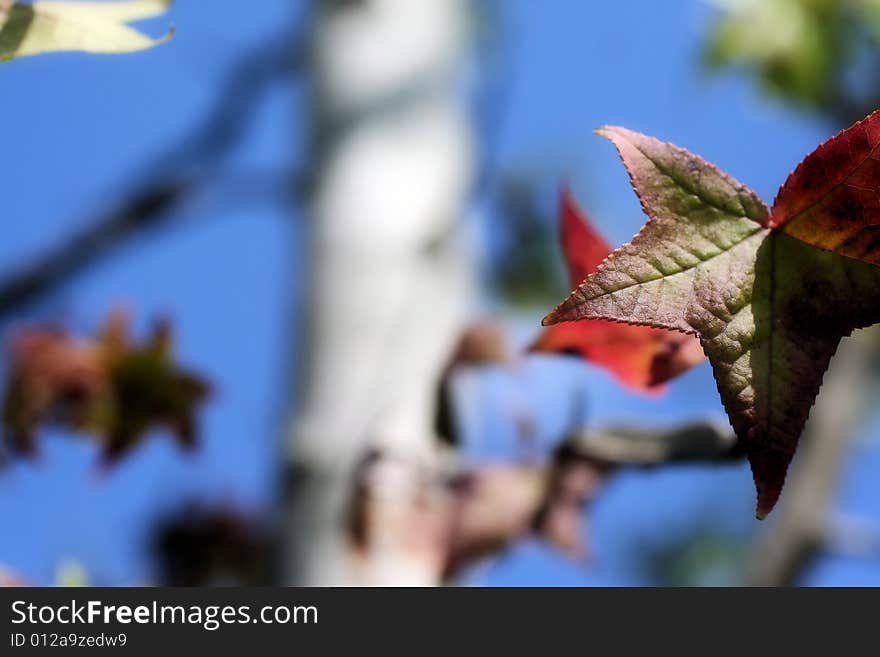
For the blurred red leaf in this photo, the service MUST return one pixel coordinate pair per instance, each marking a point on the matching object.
(582, 245)
(51, 377)
(108, 387)
(640, 357)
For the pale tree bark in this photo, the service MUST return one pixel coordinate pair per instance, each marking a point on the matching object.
(388, 284)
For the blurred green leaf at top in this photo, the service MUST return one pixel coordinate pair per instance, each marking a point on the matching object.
(823, 55)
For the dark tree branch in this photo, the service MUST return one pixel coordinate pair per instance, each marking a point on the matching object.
(149, 208)
(152, 204)
(619, 446)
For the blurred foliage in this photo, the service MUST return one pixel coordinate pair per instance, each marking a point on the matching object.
(818, 54)
(204, 546)
(704, 559)
(525, 267)
(71, 573)
(109, 387)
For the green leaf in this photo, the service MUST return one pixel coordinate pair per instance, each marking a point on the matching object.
(95, 27)
(769, 295)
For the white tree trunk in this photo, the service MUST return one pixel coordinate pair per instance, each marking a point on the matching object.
(389, 282)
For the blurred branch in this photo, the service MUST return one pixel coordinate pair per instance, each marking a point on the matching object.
(151, 205)
(634, 446)
(494, 506)
(152, 208)
(148, 208)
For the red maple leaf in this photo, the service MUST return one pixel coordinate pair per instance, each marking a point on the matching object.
(640, 357)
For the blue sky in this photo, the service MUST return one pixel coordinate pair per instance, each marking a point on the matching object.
(81, 129)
